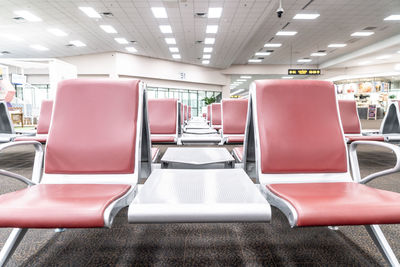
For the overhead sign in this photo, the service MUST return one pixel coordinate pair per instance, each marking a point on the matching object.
(304, 71)
(18, 78)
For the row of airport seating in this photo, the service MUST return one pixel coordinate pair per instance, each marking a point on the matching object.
(300, 164)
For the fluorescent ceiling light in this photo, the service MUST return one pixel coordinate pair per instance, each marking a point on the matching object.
(304, 60)
(306, 16)
(90, 12)
(57, 32)
(206, 56)
(263, 54)
(241, 80)
(287, 77)
(392, 17)
(170, 40)
(209, 40)
(286, 33)
(39, 47)
(174, 49)
(11, 37)
(255, 60)
(27, 15)
(121, 40)
(176, 56)
(131, 49)
(77, 43)
(245, 77)
(159, 12)
(108, 29)
(165, 28)
(214, 12)
(337, 45)
(365, 62)
(212, 29)
(383, 57)
(398, 52)
(207, 49)
(362, 33)
(272, 45)
(318, 54)
(205, 62)
(237, 92)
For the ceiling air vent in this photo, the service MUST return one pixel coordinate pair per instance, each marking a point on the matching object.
(198, 42)
(107, 14)
(19, 19)
(133, 42)
(260, 58)
(5, 52)
(321, 51)
(69, 45)
(200, 15)
(269, 51)
(370, 28)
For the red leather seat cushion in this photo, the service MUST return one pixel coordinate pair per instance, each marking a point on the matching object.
(154, 151)
(235, 139)
(59, 205)
(162, 116)
(45, 117)
(216, 114)
(234, 115)
(319, 204)
(185, 111)
(351, 139)
(162, 139)
(40, 139)
(299, 127)
(239, 152)
(209, 112)
(349, 116)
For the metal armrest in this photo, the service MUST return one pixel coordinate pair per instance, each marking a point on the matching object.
(37, 163)
(354, 161)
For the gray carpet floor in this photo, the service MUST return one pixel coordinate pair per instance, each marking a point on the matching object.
(233, 244)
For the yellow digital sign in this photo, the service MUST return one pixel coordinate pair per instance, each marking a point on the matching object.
(304, 71)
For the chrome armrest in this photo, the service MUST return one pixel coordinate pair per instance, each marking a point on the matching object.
(37, 163)
(354, 161)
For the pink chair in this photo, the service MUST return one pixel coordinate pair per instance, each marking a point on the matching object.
(208, 114)
(163, 119)
(234, 116)
(216, 116)
(351, 123)
(43, 126)
(306, 175)
(189, 113)
(90, 174)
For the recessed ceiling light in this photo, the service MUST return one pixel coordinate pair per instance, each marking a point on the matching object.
(272, 45)
(306, 16)
(304, 60)
(206, 56)
(57, 32)
(384, 57)
(121, 40)
(174, 49)
(39, 47)
(286, 33)
(287, 77)
(255, 60)
(214, 12)
(241, 80)
(318, 54)
(170, 40)
(77, 43)
(205, 62)
(337, 45)
(176, 56)
(108, 29)
(245, 77)
(398, 52)
(263, 54)
(207, 49)
(131, 49)
(361, 34)
(392, 17)
(90, 12)
(27, 15)
(209, 40)
(11, 37)
(165, 28)
(159, 12)
(212, 29)
(365, 62)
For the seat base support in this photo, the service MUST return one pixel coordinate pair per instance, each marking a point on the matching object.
(11, 244)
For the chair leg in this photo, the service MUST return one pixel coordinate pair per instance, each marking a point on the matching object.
(380, 241)
(11, 244)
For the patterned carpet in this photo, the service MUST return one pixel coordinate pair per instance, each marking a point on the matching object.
(235, 244)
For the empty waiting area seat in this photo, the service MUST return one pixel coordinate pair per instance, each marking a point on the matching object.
(216, 116)
(234, 116)
(163, 120)
(302, 166)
